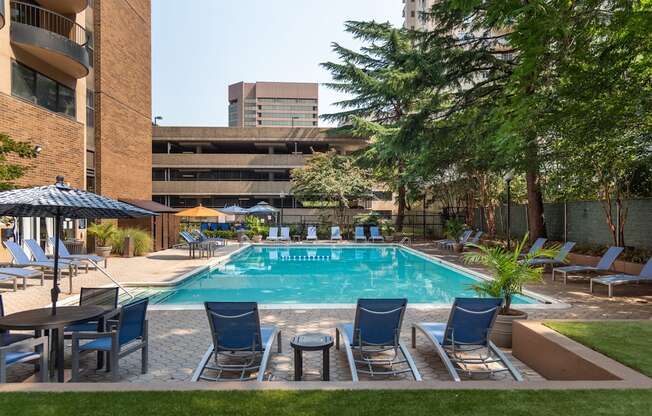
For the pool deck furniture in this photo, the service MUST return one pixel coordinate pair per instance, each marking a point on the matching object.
(65, 254)
(467, 332)
(39, 255)
(623, 279)
(312, 233)
(560, 258)
(7, 337)
(475, 239)
(285, 234)
(42, 319)
(336, 234)
(20, 259)
(359, 234)
(373, 339)
(15, 273)
(240, 343)
(603, 265)
(209, 240)
(374, 234)
(273, 234)
(33, 350)
(129, 334)
(311, 342)
(536, 246)
(448, 244)
(194, 245)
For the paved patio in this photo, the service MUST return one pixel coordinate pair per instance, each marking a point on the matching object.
(178, 339)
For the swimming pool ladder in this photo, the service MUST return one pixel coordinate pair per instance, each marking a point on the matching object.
(107, 274)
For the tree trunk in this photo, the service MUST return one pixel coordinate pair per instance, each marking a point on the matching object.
(535, 205)
(400, 214)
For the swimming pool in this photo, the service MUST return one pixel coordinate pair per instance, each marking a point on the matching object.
(337, 274)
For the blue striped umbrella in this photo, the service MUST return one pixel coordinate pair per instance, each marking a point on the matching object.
(61, 201)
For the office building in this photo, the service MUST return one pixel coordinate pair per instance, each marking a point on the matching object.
(413, 14)
(273, 104)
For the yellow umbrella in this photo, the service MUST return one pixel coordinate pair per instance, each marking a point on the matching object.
(199, 211)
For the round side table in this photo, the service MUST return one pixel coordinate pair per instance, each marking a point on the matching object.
(311, 342)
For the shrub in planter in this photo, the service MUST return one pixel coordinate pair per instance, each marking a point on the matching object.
(510, 273)
(142, 241)
(103, 232)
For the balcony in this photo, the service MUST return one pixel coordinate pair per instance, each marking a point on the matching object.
(64, 6)
(51, 37)
(220, 188)
(206, 160)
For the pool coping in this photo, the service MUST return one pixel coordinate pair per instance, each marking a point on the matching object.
(547, 303)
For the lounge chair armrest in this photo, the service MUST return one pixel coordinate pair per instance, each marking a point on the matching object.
(22, 345)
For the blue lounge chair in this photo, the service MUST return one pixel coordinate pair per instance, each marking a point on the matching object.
(603, 265)
(273, 234)
(560, 258)
(622, 279)
(373, 339)
(194, 245)
(476, 238)
(20, 259)
(65, 254)
(359, 234)
(375, 234)
(128, 335)
(536, 246)
(285, 234)
(312, 233)
(240, 344)
(448, 244)
(463, 343)
(336, 234)
(39, 255)
(12, 274)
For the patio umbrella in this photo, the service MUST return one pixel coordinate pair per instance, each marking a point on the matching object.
(234, 210)
(61, 201)
(199, 211)
(262, 208)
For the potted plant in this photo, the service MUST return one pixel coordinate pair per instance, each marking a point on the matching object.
(510, 272)
(254, 224)
(452, 231)
(102, 233)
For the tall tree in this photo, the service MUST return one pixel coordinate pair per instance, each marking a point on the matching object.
(381, 79)
(9, 172)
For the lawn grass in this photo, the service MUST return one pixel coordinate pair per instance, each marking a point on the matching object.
(340, 403)
(625, 342)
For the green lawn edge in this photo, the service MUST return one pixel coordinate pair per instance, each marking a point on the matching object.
(325, 403)
(626, 342)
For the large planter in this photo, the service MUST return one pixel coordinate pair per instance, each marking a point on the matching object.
(103, 251)
(257, 238)
(501, 335)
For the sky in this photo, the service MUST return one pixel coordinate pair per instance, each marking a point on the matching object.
(200, 48)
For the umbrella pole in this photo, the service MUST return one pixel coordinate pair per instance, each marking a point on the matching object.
(55, 282)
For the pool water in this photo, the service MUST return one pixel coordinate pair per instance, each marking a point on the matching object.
(324, 275)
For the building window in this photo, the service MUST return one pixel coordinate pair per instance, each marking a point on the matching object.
(41, 90)
(90, 108)
(288, 100)
(287, 115)
(288, 123)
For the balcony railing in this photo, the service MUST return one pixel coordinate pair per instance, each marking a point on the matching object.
(31, 15)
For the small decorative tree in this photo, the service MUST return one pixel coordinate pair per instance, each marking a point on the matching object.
(332, 180)
(510, 271)
(9, 172)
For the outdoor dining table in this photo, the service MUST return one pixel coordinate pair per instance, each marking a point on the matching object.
(42, 319)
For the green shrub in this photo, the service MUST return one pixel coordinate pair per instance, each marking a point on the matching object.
(103, 233)
(142, 241)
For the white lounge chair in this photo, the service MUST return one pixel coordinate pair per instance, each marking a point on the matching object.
(359, 234)
(273, 234)
(603, 265)
(312, 233)
(285, 234)
(336, 234)
(375, 234)
(621, 279)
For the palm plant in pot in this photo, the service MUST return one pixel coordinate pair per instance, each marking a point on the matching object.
(103, 232)
(453, 229)
(510, 273)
